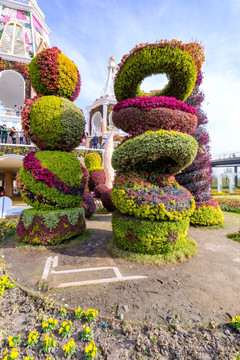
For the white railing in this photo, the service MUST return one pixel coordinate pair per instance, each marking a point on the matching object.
(10, 112)
(226, 156)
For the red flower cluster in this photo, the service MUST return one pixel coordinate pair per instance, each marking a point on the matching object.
(147, 103)
(48, 58)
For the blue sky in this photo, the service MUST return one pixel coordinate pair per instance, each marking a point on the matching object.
(90, 31)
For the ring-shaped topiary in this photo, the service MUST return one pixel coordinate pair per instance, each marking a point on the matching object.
(167, 151)
(54, 123)
(177, 64)
(52, 73)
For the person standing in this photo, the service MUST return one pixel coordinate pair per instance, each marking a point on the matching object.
(14, 135)
(4, 134)
(21, 137)
(95, 141)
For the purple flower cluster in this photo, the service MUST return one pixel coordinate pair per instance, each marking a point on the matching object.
(147, 103)
(40, 173)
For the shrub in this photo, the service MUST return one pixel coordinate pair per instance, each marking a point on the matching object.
(96, 178)
(50, 179)
(99, 190)
(50, 227)
(93, 162)
(107, 200)
(176, 63)
(88, 205)
(85, 178)
(207, 215)
(148, 237)
(168, 151)
(52, 73)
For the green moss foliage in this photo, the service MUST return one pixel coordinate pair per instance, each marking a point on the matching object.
(148, 237)
(56, 123)
(167, 151)
(207, 215)
(177, 64)
(93, 162)
(39, 195)
(35, 75)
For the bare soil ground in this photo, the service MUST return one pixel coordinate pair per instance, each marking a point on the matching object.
(203, 289)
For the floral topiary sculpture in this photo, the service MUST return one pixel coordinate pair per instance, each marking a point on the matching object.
(51, 179)
(153, 210)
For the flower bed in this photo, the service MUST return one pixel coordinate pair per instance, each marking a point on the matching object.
(229, 204)
(7, 228)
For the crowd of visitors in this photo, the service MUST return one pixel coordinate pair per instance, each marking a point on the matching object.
(13, 134)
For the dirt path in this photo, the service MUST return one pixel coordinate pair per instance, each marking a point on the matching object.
(204, 288)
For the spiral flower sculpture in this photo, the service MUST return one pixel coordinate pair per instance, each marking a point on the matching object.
(153, 209)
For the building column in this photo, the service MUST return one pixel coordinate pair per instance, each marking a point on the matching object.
(8, 184)
(235, 176)
(219, 183)
(231, 183)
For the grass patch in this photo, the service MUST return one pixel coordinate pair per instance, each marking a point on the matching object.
(217, 226)
(73, 241)
(179, 255)
(93, 217)
(234, 236)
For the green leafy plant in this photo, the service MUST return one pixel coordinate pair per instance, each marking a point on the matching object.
(10, 355)
(87, 333)
(6, 283)
(63, 312)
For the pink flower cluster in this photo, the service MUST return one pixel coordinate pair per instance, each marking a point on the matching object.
(48, 59)
(147, 103)
(40, 173)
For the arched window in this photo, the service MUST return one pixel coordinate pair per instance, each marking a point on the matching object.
(12, 41)
(96, 122)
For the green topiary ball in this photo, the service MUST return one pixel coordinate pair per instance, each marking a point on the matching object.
(93, 162)
(54, 123)
(52, 73)
(50, 180)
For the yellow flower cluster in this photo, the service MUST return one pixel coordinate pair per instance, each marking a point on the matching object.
(87, 333)
(48, 343)
(91, 314)
(13, 341)
(236, 322)
(29, 358)
(79, 313)
(6, 283)
(69, 348)
(49, 325)
(90, 350)
(63, 312)
(66, 329)
(12, 356)
(33, 338)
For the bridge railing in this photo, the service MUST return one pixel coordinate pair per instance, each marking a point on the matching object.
(226, 156)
